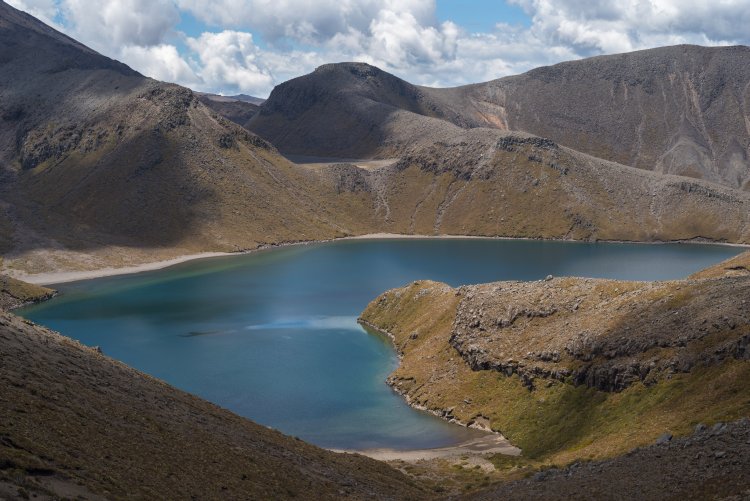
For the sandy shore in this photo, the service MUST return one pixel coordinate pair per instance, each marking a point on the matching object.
(60, 277)
(489, 444)
(52, 278)
(72, 276)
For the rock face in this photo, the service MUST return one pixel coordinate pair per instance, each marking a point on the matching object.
(569, 366)
(556, 330)
(74, 422)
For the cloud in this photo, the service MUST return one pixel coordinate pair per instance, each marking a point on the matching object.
(109, 24)
(230, 61)
(162, 62)
(400, 41)
(600, 27)
(400, 36)
(302, 20)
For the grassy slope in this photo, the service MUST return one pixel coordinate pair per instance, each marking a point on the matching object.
(558, 422)
(74, 416)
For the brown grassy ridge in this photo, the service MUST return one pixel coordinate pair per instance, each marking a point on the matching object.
(74, 422)
(698, 362)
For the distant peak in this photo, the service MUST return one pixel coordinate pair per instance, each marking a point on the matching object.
(362, 70)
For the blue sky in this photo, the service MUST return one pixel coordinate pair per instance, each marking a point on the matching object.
(481, 15)
(248, 46)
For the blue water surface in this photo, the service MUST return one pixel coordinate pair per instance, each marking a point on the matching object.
(273, 335)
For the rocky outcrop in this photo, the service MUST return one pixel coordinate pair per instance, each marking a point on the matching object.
(606, 335)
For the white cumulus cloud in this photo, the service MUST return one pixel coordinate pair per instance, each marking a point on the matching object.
(108, 24)
(162, 62)
(599, 26)
(230, 60)
(400, 36)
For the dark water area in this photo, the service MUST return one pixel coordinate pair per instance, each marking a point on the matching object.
(273, 335)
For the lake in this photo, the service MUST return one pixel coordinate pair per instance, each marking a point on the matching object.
(273, 335)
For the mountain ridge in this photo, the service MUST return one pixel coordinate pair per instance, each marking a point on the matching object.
(679, 109)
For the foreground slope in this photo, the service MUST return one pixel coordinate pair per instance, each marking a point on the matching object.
(574, 368)
(712, 463)
(74, 422)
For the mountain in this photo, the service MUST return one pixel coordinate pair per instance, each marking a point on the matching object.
(340, 110)
(248, 99)
(239, 109)
(679, 110)
(101, 166)
(572, 369)
(74, 422)
(451, 179)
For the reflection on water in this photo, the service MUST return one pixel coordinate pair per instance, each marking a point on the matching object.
(273, 335)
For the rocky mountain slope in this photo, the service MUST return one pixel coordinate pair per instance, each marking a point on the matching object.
(571, 368)
(480, 181)
(76, 423)
(680, 110)
(102, 166)
(340, 110)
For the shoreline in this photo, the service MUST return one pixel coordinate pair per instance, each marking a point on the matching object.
(60, 277)
(491, 444)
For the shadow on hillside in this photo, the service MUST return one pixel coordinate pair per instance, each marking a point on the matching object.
(143, 192)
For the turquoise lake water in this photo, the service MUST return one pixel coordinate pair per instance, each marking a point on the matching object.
(273, 335)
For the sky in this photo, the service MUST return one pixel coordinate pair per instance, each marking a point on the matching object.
(249, 46)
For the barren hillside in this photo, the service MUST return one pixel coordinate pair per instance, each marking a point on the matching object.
(102, 166)
(680, 110)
